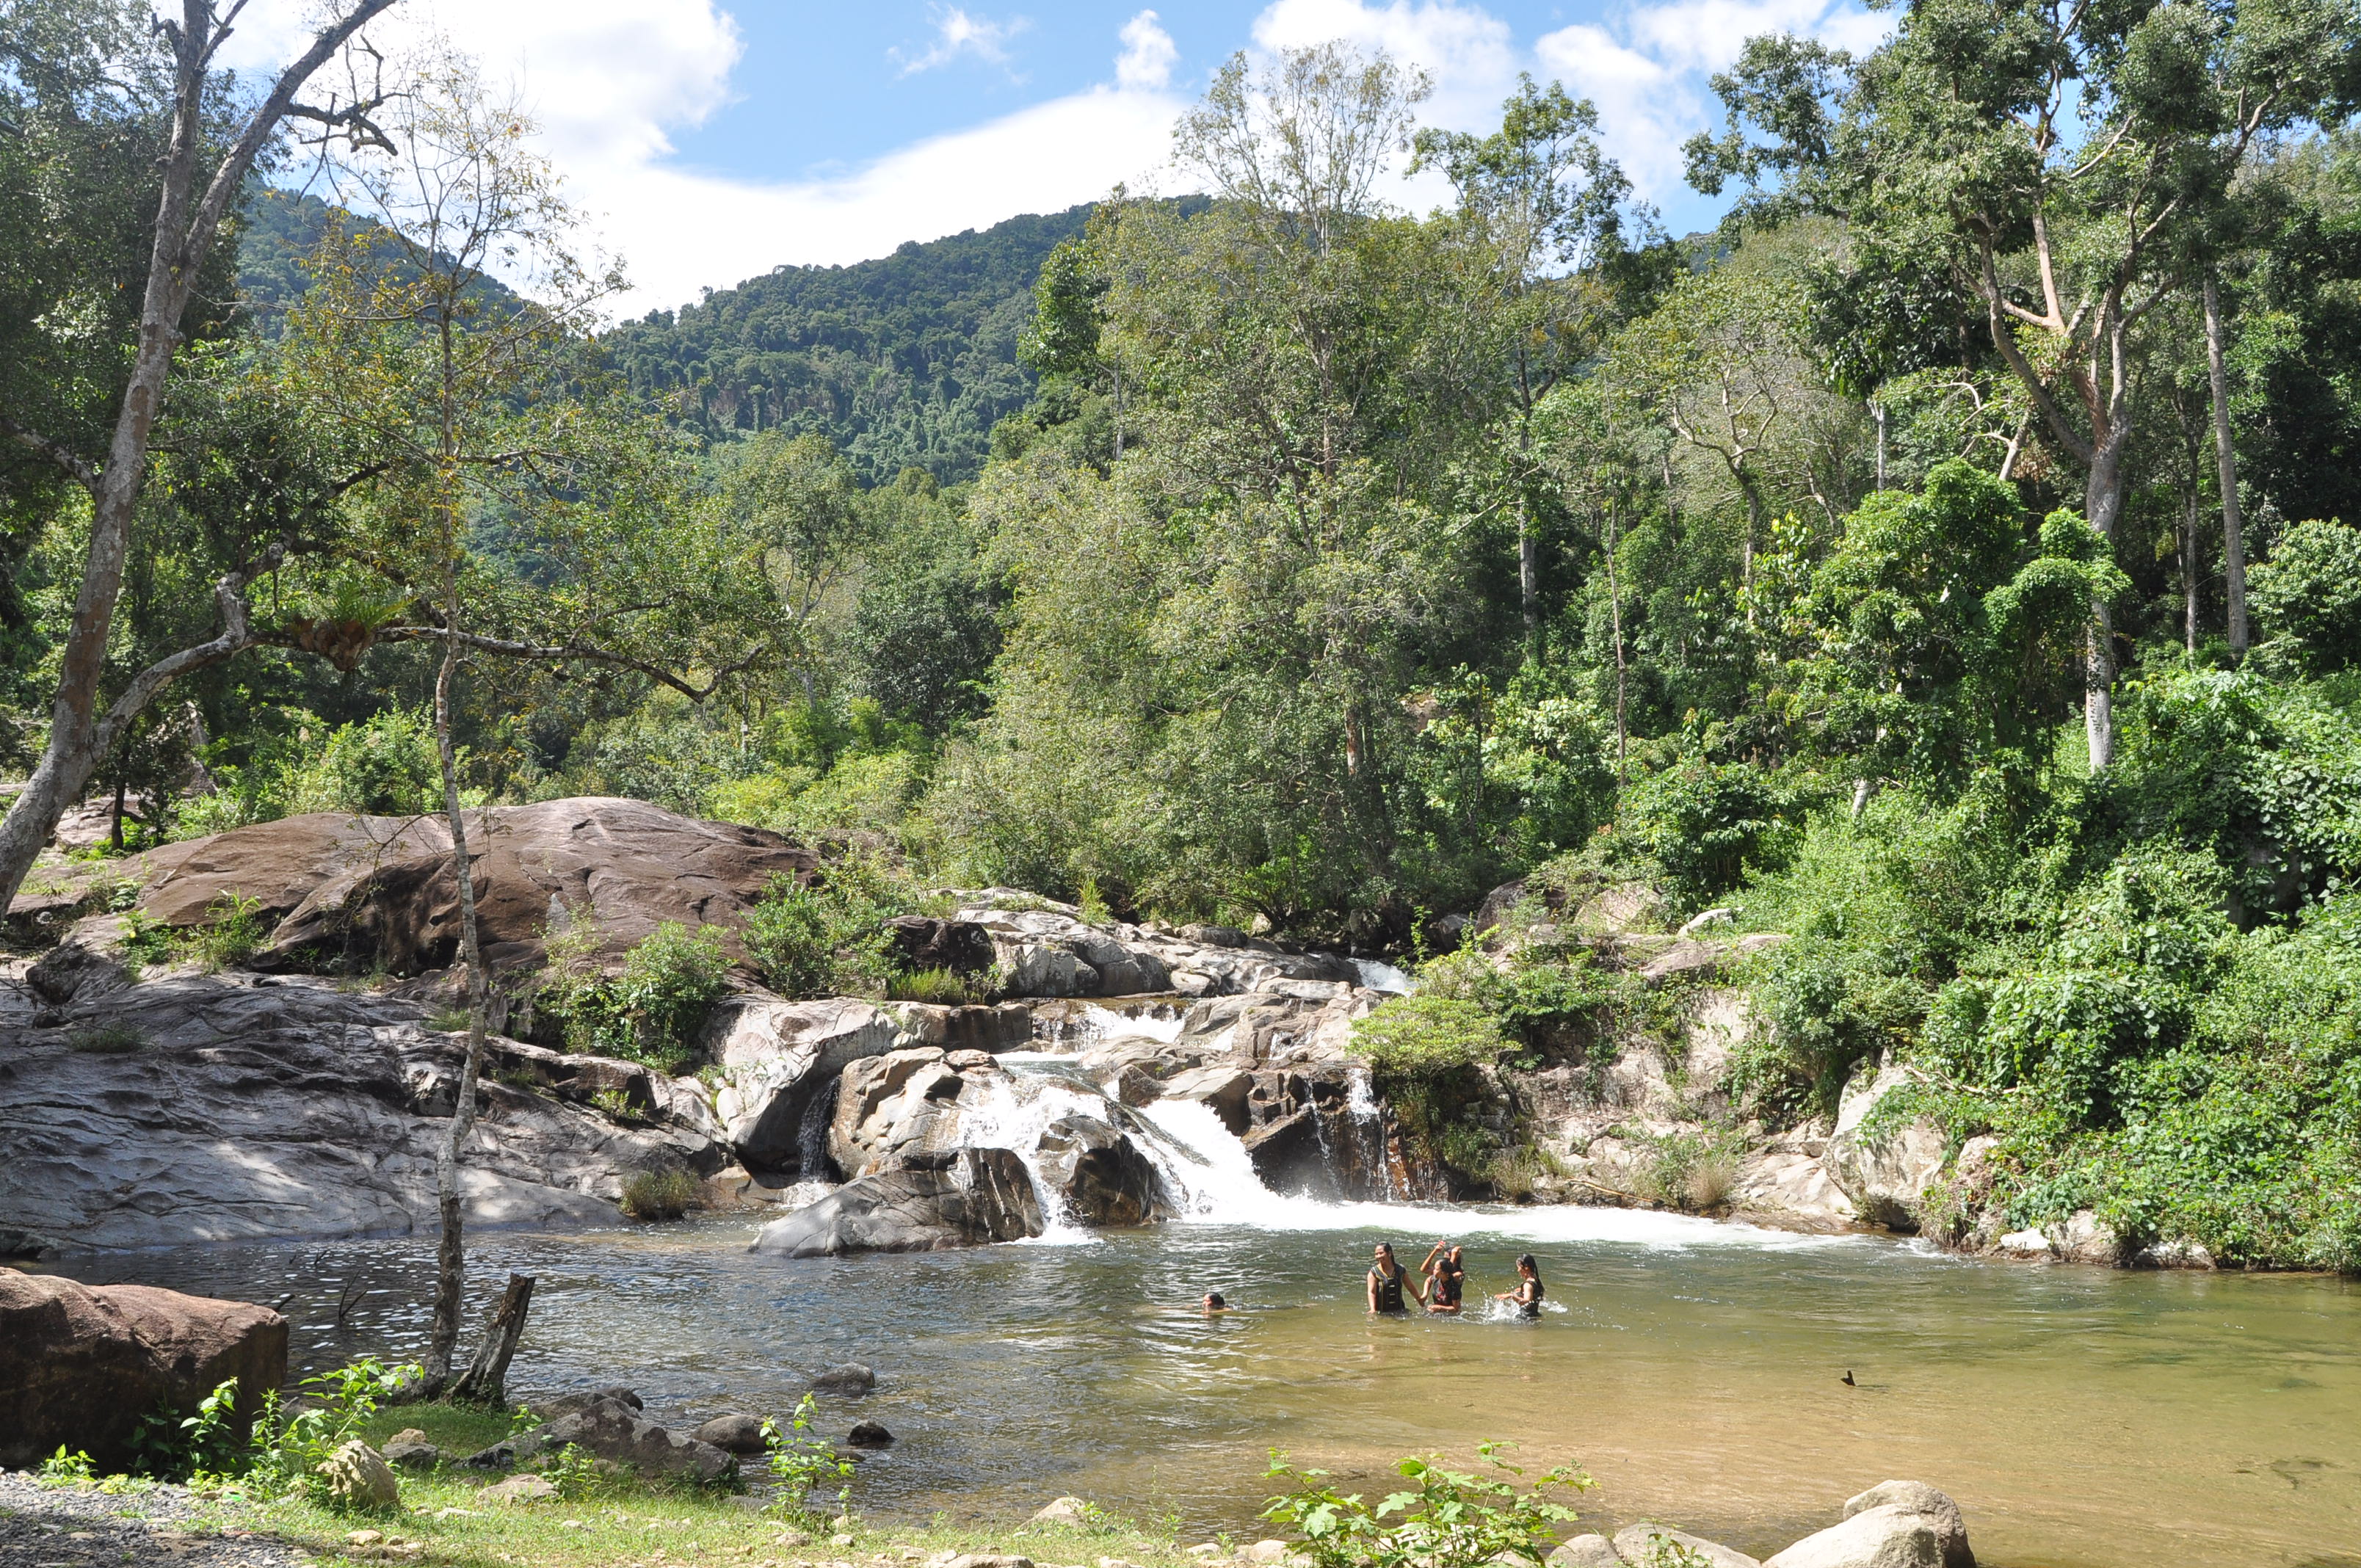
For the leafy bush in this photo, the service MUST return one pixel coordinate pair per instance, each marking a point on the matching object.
(1422, 1037)
(651, 1009)
(65, 1468)
(828, 937)
(232, 932)
(1705, 828)
(290, 1447)
(1442, 1519)
(169, 1446)
(800, 1462)
(385, 766)
(942, 987)
(2309, 595)
(662, 1194)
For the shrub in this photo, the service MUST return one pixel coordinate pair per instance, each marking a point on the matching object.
(289, 1448)
(800, 1462)
(384, 766)
(173, 1447)
(940, 986)
(662, 1194)
(1442, 1519)
(828, 937)
(109, 1040)
(2308, 594)
(1706, 828)
(651, 1009)
(1422, 1037)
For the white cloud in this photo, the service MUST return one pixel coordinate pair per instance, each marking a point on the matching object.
(1148, 55)
(609, 81)
(957, 33)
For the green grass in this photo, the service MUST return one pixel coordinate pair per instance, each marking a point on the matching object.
(622, 1521)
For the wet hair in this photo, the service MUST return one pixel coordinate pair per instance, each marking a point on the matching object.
(1525, 1261)
(1214, 1298)
(1386, 1247)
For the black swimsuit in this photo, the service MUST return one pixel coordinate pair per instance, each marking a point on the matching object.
(1389, 1291)
(1531, 1309)
(1449, 1281)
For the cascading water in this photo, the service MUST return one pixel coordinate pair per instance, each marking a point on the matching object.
(1369, 1125)
(1012, 1111)
(1380, 976)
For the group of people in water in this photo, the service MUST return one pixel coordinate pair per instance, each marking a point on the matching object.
(1441, 1282)
(1443, 1275)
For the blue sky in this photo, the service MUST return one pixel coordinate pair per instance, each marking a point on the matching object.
(710, 140)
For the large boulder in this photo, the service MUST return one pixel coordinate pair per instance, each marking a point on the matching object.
(969, 1198)
(217, 1108)
(893, 1106)
(1951, 1525)
(1225, 1090)
(1637, 1544)
(83, 1364)
(1100, 1173)
(1880, 1537)
(779, 1061)
(1888, 1172)
(923, 943)
(379, 893)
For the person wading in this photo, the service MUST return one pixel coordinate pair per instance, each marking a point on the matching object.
(1446, 1273)
(1528, 1291)
(1388, 1281)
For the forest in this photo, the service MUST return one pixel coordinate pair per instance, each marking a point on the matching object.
(1943, 564)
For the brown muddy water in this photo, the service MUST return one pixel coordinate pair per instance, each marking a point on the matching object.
(2084, 1419)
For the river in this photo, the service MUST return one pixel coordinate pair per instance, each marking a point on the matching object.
(2083, 1419)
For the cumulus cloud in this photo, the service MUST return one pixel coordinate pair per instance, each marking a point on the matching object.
(957, 34)
(1148, 55)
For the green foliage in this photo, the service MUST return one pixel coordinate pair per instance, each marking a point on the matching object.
(662, 1194)
(906, 361)
(1704, 827)
(800, 1463)
(2309, 593)
(107, 1041)
(385, 765)
(1425, 1038)
(573, 1471)
(1442, 1519)
(67, 1469)
(828, 937)
(233, 930)
(170, 1447)
(650, 1008)
(291, 1444)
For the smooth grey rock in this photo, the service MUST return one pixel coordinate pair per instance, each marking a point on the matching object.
(359, 1477)
(846, 1380)
(1635, 1545)
(1101, 1173)
(779, 1060)
(1950, 1524)
(412, 1455)
(733, 1434)
(292, 1109)
(1887, 1175)
(614, 1432)
(1886, 1537)
(891, 1106)
(1585, 1551)
(974, 1196)
(567, 1404)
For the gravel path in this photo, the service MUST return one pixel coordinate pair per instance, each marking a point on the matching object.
(68, 1526)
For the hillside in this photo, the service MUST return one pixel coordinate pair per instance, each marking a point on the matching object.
(906, 361)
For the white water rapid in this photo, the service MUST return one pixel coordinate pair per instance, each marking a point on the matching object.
(1210, 1179)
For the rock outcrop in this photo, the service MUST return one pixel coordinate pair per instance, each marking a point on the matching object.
(200, 1108)
(1099, 1173)
(1896, 1524)
(962, 1198)
(83, 1363)
(1886, 1172)
(780, 1063)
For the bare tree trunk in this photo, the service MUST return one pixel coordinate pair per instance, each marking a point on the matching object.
(1529, 578)
(186, 226)
(2103, 500)
(486, 1379)
(1615, 621)
(2226, 458)
(2189, 565)
(450, 1256)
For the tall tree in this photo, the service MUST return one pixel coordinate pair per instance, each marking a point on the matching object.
(2050, 157)
(203, 170)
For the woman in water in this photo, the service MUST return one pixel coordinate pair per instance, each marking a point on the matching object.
(1528, 1291)
(1446, 1272)
(1386, 1282)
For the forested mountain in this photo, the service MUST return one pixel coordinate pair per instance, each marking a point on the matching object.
(906, 361)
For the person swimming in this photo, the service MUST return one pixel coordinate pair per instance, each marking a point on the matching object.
(1446, 1273)
(1528, 1291)
(1386, 1282)
(1214, 1304)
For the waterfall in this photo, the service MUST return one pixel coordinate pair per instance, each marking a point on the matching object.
(811, 1131)
(1369, 1126)
(1010, 1112)
(1380, 976)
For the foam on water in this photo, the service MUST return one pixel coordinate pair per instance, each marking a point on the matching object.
(1213, 1180)
(1380, 976)
(1011, 1111)
(1109, 1023)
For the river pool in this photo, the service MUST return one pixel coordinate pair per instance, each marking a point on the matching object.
(2084, 1419)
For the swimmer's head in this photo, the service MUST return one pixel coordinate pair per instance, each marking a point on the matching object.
(1384, 1250)
(1214, 1298)
(1525, 1265)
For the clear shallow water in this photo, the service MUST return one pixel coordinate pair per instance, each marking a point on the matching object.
(2084, 1419)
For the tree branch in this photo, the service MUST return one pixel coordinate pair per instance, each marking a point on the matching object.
(587, 651)
(75, 468)
(238, 634)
